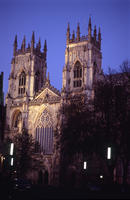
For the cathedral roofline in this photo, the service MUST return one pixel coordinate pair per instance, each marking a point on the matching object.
(85, 39)
(47, 94)
(91, 38)
(30, 48)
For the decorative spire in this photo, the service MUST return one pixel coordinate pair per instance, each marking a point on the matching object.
(45, 50)
(89, 29)
(45, 46)
(95, 33)
(28, 46)
(68, 34)
(73, 36)
(48, 79)
(15, 45)
(78, 33)
(39, 44)
(23, 44)
(99, 37)
(32, 42)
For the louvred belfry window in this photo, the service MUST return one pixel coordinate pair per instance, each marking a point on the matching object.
(77, 75)
(44, 133)
(22, 83)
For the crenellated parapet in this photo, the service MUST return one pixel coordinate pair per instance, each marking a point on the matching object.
(91, 38)
(31, 48)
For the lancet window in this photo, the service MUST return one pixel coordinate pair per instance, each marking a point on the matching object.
(22, 83)
(77, 75)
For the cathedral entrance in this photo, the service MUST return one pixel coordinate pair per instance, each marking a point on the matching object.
(43, 177)
(46, 178)
(40, 177)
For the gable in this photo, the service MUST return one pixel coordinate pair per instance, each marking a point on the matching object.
(46, 96)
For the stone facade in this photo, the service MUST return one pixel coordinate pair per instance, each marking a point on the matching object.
(33, 102)
(83, 60)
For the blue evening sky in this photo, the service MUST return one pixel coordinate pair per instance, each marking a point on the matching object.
(49, 19)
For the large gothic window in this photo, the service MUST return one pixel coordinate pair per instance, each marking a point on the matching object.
(77, 75)
(22, 83)
(44, 133)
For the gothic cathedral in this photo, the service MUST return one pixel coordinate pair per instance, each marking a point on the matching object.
(34, 103)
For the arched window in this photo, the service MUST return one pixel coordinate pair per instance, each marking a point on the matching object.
(44, 133)
(17, 121)
(22, 83)
(77, 74)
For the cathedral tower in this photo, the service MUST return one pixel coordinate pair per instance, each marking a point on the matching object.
(27, 77)
(83, 59)
(28, 69)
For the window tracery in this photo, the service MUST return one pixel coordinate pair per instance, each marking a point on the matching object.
(44, 132)
(22, 83)
(77, 74)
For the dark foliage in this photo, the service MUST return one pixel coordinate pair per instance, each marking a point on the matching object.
(23, 152)
(90, 127)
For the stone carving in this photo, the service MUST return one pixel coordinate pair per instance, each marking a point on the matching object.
(44, 120)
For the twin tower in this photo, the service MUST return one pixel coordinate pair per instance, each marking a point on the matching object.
(34, 103)
(82, 64)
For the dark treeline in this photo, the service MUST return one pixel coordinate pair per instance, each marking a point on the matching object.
(88, 127)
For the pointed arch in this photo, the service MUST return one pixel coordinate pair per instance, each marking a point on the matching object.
(44, 132)
(17, 120)
(22, 83)
(77, 74)
(77, 59)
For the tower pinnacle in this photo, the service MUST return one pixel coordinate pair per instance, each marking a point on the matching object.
(48, 79)
(73, 36)
(45, 46)
(23, 44)
(68, 34)
(99, 37)
(45, 50)
(95, 33)
(32, 42)
(15, 45)
(89, 29)
(38, 45)
(78, 32)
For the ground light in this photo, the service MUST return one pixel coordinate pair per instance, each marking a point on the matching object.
(101, 176)
(12, 161)
(109, 153)
(85, 165)
(11, 149)
(11, 154)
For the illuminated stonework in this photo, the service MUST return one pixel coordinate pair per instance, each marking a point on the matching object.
(33, 102)
(85, 52)
(44, 132)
